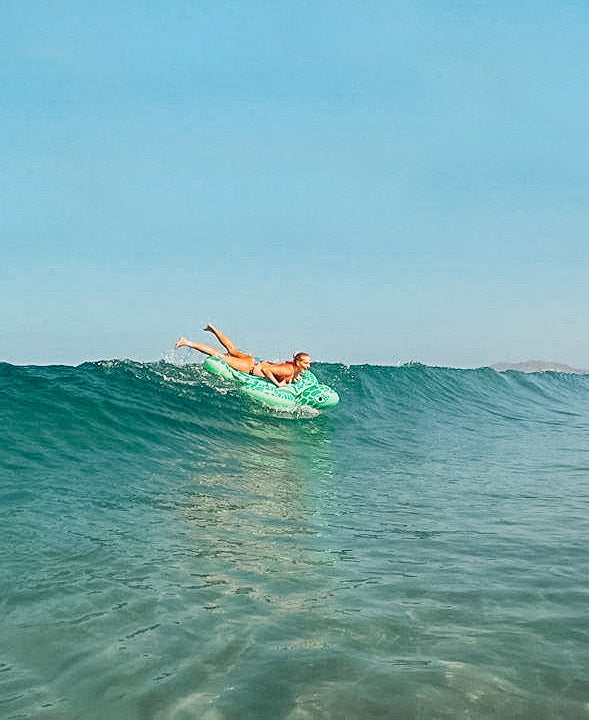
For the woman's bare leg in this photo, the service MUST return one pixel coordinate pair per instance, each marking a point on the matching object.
(242, 361)
(226, 342)
(206, 349)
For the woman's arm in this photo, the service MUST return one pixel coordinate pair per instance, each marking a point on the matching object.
(267, 372)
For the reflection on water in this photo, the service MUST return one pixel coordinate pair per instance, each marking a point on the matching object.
(255, 525)
(259, 513)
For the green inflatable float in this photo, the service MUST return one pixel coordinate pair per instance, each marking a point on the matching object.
(306, 390)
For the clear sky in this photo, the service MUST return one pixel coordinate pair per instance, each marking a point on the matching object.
(368, 181)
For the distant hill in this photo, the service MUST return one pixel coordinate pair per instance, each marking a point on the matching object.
(538, 366)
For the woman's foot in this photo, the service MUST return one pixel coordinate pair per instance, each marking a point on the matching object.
(181, 342)
(210, 328)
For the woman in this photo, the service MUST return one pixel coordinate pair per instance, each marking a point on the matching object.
(278, 373)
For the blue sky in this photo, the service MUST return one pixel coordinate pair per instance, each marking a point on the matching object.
(368, 181)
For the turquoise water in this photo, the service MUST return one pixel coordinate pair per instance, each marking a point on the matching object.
(170, 552)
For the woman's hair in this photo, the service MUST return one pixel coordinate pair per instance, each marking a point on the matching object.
(299, 355)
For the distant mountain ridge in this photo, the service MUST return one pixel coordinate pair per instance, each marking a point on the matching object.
(531, 366)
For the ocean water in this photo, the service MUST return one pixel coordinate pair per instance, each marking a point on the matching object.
(170, 552)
